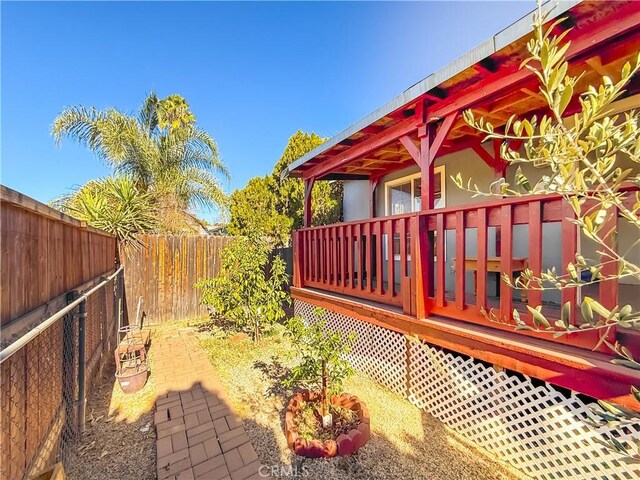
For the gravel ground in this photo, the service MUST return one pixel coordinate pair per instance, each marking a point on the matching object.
(406, 443)
(119, 441)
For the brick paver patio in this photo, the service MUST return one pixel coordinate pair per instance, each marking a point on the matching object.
(198, 436)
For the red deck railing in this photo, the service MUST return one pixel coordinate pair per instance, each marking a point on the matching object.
(369, 259)
(372, 260)
(535, 212)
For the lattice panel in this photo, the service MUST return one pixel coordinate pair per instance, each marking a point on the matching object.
(535, 428)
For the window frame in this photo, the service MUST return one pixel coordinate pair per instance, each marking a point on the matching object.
(439, 170)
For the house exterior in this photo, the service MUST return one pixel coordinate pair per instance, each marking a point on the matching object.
(393, 267)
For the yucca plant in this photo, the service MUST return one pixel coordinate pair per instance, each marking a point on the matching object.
(113, 204)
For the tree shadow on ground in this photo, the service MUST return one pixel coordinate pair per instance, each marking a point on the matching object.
(275, 373)
(119, 439)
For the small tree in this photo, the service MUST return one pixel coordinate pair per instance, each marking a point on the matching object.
(583, 154)
(253, 211)
(322, 364)
(272, 207)
(250, 290)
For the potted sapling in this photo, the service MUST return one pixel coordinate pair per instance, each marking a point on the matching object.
(320, 419)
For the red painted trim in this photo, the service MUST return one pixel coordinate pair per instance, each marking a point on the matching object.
(609, 288)
(391, 277)
(460, 288)
(534, 297)
(378, 249)
(626, 18)
(494, 163)
(368, 252)
(441, 135)
(307, 213)
(506, 254)
(411, 148)
(369, 145)
(440, 265)
(481, 274)
(373, 184)
(569, 237)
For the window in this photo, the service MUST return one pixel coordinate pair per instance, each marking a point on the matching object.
(403, 195)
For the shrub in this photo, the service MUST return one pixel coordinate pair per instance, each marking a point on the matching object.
(322, 365)
(250, 290)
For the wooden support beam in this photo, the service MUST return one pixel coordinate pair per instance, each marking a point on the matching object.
(373, 184)
(363, 148)
(426, 134)
(495, 163)
(441, 134)
(414, 151)
(308, 188)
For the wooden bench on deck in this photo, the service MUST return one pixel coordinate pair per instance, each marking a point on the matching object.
(518, 265)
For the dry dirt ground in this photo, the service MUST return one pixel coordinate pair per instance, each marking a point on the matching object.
(406, 443)
(119, 441)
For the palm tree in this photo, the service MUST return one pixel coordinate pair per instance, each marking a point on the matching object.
(161, 149)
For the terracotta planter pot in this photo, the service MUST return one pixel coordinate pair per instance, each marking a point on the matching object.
(132, 379)
(345, 444)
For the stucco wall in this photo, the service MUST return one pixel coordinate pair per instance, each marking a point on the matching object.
(356, 200)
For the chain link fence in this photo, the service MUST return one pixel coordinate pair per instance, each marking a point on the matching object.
(47, 376)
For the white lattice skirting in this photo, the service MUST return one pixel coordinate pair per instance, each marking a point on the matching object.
(537, 429)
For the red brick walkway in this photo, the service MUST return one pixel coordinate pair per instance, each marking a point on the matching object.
(198, 436)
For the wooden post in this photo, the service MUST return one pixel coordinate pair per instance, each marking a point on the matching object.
(569, 232)
(373, 184)
(307, 213)
(298, 256)
(426, 134)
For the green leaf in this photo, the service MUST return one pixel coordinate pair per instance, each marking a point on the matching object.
(636, 393)
(565, 98)
(538, 318)
(587, 311)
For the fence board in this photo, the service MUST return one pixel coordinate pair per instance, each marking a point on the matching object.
(45, 254)
(163, 273)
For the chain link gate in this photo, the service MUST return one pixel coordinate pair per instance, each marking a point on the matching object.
(45, 384)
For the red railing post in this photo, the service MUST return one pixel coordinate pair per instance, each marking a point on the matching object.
(569, 233)
(378, 269)
(460, 261)
(534, 297)
(298, 257)
(440, 260)
(481, 274)
(390, 260)
(506, 256)
(420, 270)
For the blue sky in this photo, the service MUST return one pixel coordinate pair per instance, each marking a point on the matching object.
(254, 73)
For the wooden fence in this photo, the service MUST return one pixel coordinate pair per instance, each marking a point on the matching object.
(46, 255)
(163, 274)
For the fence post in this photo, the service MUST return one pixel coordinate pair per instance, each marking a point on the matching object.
(104, 323)
(68, 368)
(82, 394)
(116, 310)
